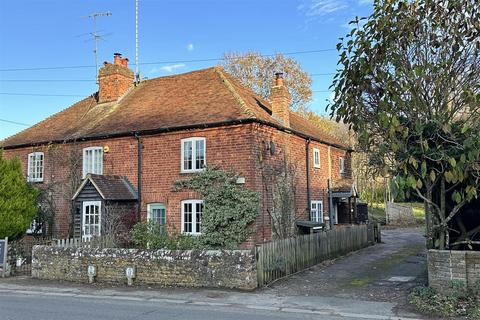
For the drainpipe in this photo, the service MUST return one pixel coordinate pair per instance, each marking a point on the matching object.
(307, 161)
(330, 204)
(139, 175)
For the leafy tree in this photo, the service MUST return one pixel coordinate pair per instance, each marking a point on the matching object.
(257, 73)
(229, 208)
(409, 84)
(17, 199)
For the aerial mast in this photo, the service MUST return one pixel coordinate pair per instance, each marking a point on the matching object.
(137, 74)
(96, 36)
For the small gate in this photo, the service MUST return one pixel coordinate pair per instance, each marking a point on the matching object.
(20, 254)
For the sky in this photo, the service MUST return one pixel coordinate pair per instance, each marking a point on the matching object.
(52, 40)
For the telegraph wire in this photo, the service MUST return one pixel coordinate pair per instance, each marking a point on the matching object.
(86, 80)
(165, 62)
(15, 122)
(42, 94)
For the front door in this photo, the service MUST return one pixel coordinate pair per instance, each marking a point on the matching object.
(91, 219)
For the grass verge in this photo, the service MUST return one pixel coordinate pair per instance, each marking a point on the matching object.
(455, 301)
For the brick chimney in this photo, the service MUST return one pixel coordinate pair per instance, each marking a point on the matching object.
(280, 100)
(114, 79)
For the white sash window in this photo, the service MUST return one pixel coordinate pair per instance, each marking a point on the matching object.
(92, 161)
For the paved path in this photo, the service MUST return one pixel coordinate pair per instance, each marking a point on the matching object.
(358, 286)
(385, 272)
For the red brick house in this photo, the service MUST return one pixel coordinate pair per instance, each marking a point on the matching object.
(130, 142)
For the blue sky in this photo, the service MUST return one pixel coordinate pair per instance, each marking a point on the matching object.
(36, 34)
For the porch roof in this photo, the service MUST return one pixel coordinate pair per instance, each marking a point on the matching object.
(110, 187)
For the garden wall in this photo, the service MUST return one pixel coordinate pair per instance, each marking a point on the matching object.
(189, 268)
(445, 266)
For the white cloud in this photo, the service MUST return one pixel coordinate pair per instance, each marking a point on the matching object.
(313, 8)
(190, 46)
(365, 2)
(169, 68)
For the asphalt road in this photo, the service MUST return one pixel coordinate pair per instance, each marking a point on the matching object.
(15, 306)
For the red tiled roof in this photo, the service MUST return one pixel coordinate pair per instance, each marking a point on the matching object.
(203, 97)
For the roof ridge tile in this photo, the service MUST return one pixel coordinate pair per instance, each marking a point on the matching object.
(245, 109)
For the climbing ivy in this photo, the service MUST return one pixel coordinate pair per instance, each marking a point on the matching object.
(229, 208)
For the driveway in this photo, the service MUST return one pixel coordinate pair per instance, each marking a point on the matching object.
(385, 272)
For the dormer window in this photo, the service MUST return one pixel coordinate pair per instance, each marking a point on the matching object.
(193, 154)
(35, 167)
(92, 161)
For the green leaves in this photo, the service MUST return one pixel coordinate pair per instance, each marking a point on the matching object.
(457, 197)
(229, 208)
(452, 162)
(424, 169)
(17, 199)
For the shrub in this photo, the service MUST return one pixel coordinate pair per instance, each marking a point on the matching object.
(152, 235)
(17, 199)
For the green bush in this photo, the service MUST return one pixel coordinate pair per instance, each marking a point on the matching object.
(456, 301)
(152, 235)
(17, 199)
(229, 208)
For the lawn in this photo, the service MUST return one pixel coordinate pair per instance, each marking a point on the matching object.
(377, 212)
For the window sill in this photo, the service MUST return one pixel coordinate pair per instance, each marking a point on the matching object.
(191, 171)
(196, 234)
(35, 181)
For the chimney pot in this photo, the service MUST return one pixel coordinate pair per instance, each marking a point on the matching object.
(117, 58)
(279, 78)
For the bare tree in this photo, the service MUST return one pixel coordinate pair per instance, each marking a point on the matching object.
(256, 72)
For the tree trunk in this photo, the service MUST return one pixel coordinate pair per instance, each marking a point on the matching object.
(443, 228)
(429, 219)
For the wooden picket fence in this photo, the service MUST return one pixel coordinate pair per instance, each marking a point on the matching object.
(280, 258)
(94, 242)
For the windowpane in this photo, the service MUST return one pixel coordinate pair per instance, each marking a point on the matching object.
(187, 209)
(198, 216)
(200, 154)
(187, 155)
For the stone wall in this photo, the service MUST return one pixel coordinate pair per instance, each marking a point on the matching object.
(189, 268)
(445, 266)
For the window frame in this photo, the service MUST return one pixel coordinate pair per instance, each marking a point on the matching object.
(30, 163)
(341, 165)
(319, 213)
(99, 224)
(93, 164)
(193, 140)
(316, 165)
(156, 205)
(193, 202)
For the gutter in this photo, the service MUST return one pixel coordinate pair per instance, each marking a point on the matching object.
(181, 128)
